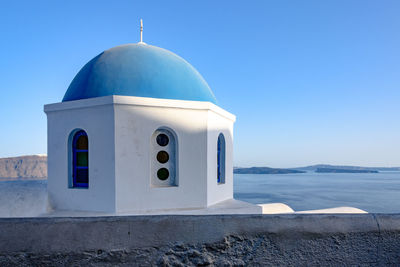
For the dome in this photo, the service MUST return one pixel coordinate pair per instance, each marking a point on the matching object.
(139, 70)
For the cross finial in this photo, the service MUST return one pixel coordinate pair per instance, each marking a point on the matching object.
(141, 30)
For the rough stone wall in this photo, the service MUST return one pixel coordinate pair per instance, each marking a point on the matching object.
(279, 240)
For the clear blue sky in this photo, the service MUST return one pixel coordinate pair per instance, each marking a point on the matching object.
(310, 81)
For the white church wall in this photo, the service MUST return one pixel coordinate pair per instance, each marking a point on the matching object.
(121, 132)
(136, 123)
(219, 122)
(96, 119)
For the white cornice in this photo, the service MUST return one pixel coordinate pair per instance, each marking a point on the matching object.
(138, 101)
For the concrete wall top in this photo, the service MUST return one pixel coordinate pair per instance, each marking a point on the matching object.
(130, 232)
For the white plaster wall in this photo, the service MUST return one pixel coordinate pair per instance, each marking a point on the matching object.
(218, 123)
(134, 127)
(97, 121)
(119, 129)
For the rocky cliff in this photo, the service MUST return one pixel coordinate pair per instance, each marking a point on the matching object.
(24, 167)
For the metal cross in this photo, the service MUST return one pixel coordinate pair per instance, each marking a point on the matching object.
(141, 30)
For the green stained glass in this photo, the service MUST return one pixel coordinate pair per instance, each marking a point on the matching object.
(82, 159)
(163, 174)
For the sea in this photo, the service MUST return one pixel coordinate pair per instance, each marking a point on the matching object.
(372, 192)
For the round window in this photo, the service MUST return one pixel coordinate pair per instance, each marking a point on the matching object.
(163, 174)
(162, 157)
(162, 139)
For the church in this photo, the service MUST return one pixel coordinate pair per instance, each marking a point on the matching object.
(139, 130)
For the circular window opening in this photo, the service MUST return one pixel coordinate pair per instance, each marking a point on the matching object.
(162, 139)
(163, 174)
(162, 156)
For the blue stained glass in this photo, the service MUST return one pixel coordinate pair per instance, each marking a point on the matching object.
(219, 161)
(80, 160)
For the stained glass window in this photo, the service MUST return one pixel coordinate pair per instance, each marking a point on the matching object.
(221, 159)
(80, 161)
(163, 166)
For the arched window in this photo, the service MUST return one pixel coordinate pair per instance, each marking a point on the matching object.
(80, 160)
(221, 159)
(164, 158)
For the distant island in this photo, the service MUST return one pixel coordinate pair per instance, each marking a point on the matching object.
(23, 168)
(35, 168)
(333, 170)
(264, 170)
(319, 168)
(341, 167)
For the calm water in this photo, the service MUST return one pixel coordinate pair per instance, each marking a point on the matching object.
(23, 198)
(373, 192)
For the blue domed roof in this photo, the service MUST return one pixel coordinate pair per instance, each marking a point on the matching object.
(139, 70)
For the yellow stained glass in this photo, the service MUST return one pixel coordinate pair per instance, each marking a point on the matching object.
(82, 142)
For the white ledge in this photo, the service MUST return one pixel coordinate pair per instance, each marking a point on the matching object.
(138, 101)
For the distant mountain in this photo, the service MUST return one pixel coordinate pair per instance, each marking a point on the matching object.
(318, 166)
(24, 167)
(333, 170)
(264, 170)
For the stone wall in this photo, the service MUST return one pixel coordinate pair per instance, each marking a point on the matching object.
(301, 240)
